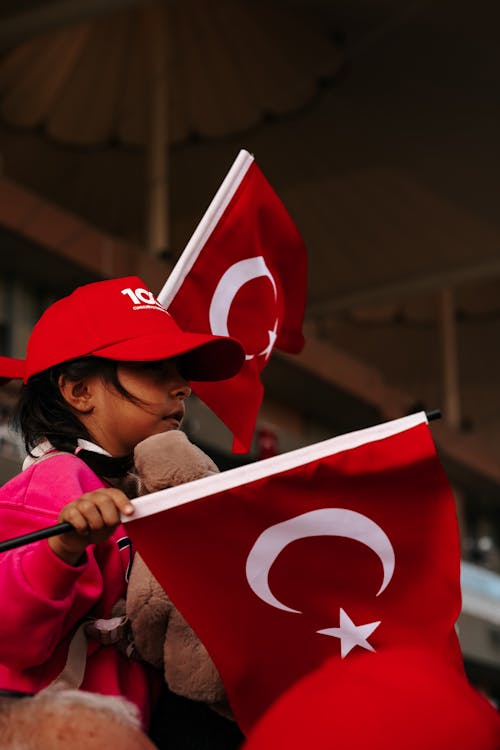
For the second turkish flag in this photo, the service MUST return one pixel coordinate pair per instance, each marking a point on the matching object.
(342, 547)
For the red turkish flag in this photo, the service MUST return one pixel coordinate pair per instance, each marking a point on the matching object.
(344, 546)
(244, 274)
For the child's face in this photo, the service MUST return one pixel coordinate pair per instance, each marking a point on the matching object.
(118, 424)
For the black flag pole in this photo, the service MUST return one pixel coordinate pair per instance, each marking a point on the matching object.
(433, 414)
(35, 536)
(62, 528)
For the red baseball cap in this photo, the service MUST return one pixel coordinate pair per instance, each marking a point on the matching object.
(403, 697)
(120, 319)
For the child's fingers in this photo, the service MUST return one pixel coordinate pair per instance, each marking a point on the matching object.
(94, 517)
(121, 501)
(109, 506)
(96, 510)
(73, 513)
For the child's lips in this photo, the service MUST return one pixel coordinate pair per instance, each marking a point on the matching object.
(174, 419)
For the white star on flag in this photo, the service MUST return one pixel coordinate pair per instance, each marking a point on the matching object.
(351, 635)
(273, 335)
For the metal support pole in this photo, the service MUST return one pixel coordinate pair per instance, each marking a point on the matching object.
(157, 145)
(451, 384)
(449, 349)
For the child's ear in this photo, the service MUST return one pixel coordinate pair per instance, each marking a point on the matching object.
(76, 393)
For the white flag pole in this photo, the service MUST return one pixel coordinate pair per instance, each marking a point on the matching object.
(148, 505)
(205, 227)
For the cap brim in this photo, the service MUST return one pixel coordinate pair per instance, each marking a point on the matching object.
(203, 357)
(11, 369)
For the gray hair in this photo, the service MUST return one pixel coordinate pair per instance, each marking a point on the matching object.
(21, 719)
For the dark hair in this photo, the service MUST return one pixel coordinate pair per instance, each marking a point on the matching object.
(42, 412)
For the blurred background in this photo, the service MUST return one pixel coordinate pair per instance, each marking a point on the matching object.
(377, 123)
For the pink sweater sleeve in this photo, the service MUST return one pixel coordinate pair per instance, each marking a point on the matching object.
(43, 597)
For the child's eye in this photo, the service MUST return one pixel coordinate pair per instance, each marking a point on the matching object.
(182, 368)
(156, 366)
(161, 369)
(164, 368)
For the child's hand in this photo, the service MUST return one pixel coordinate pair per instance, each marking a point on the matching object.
(95, 516)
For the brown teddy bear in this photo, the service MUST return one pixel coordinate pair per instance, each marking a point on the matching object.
(161, 635)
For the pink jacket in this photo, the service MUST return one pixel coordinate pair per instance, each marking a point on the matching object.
(44, 599)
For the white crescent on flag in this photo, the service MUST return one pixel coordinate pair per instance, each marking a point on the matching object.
(231, 282)
(322, 522)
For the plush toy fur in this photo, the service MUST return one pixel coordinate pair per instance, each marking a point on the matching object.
(162, 637)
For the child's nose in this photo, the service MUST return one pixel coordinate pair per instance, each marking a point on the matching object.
(181, 390)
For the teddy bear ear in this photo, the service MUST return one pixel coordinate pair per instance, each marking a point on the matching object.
(205, 461)
(170, 459)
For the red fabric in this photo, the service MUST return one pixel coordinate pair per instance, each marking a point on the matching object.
(11, 368)
(199, 550)
(402, 698)
(267, 443)
(255, 224)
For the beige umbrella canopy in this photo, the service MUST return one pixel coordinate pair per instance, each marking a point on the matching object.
(228, 63)
(162, 72)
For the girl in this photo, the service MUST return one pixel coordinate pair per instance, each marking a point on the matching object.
(106, 367)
